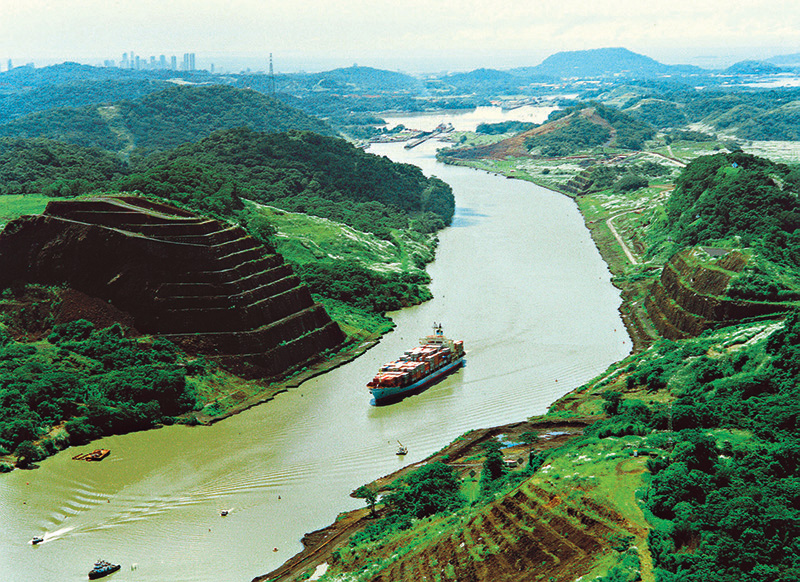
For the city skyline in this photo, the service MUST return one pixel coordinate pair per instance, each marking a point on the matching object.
(131, 60)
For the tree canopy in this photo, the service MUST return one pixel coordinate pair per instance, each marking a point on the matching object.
(54, 168)
(306, 172)
(738, 194)
(165, 119)
(727, 510)
(95, 381)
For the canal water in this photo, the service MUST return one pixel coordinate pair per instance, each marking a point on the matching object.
(517, 277)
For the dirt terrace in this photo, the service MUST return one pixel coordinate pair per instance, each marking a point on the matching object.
(463, 454)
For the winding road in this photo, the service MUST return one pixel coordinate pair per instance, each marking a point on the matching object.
(621, 242)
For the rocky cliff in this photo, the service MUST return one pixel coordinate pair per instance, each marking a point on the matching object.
(689, 296)
(203, 284)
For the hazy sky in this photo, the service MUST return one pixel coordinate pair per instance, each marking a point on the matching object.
(411, 35)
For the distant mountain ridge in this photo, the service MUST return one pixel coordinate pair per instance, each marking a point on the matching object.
(26, 90)
(350, 98)
(343, 81)
(491, 79)
(368, 78)
(751, 67)
(68, 72)
(790, 60)
(603, 62)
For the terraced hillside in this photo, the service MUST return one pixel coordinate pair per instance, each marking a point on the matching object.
(205, 285)
(575, 515)
(689, 297)
(531, 534)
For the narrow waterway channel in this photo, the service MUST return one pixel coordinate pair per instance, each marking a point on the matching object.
(517, 277)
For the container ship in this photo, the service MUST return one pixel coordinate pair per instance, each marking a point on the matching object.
(434, 358)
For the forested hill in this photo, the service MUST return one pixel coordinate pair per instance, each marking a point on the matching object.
(349, 80)
(304, 172)
(185, 113)
(44, 166)
(738, 195)
(28, 100)
(602, 62)
(164, 120)
(297, 171)
(26, 90)
(567, 131)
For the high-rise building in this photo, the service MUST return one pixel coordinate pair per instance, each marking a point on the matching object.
(188, 62)
(131, 60)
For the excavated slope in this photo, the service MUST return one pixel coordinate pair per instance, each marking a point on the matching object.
(514, 146)
(205, 285)
(532, 534)
(688, 297)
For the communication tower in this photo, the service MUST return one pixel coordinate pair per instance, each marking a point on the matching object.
(271, 77)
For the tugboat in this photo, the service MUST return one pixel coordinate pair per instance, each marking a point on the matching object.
(224, 512)
(432, 360)
(102, 568)
(36, 540)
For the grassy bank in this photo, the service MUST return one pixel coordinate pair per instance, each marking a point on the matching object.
(15, 205)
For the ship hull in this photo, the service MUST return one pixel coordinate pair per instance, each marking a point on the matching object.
(387, 394)
(95, 574)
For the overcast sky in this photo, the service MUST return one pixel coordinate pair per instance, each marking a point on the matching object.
(411, 35)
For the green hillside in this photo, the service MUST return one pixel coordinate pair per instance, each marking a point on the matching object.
(54, 168)
(82, 126)
(737, 196)
(306, 172)
(163, 120)
(751, 115)
(74, 93)
(26, 90)
(184, 114)
(684, 468)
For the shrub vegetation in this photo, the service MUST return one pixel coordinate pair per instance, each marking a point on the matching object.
(94, 381)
